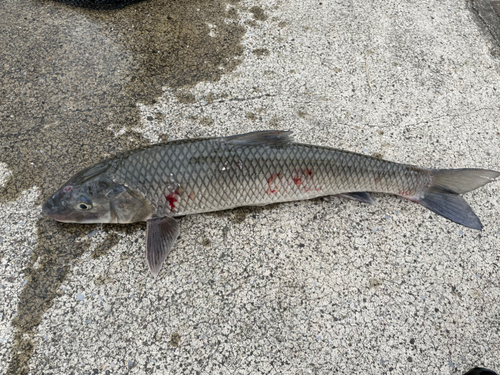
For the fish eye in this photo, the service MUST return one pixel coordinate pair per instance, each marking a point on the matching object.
(84, 203)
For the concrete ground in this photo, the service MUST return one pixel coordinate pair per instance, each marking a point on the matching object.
(314, 287)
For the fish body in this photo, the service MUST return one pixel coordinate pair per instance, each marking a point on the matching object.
(160, 182)
(194, 176)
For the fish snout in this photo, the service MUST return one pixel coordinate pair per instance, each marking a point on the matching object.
(54, 208)
(48, 207)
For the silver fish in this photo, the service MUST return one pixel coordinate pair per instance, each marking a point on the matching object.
(159, 182)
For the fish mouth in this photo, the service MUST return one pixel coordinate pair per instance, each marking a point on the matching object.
(50, 210)
(47, 208)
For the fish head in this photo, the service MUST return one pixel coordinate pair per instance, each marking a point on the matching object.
(91, 196)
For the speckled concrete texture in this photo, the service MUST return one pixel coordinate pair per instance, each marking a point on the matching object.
(314, 287)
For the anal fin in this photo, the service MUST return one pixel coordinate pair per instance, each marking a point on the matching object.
(161, 234)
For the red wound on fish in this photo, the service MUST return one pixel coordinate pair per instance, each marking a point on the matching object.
(303, 179)
(271, 179)
(67, 189)
(172, 199)
(272, 187)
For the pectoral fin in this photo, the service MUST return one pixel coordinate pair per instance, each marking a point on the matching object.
(160, 238)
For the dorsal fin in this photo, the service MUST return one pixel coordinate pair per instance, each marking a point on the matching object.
(266, 137)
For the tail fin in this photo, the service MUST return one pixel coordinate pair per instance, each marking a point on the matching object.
(442, 196)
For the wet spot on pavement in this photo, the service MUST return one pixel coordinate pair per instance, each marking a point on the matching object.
(54, 254)
(71, 80)
(103, 248)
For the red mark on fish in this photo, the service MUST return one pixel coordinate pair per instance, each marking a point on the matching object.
(173, 198)
(273, 182)
(302, 178)
(67, 189)
(405, 193)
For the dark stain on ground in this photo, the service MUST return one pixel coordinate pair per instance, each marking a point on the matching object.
(103, 248)
(175, 339)
(206, 242)
(206, 121)
(274, 123)
(49, 264)
(239, 216)
(251, 116)
(261, 52)
(258, 13)
(176, 42)
(185, 98)
(374, 283)
(301, 114)
(67, 75)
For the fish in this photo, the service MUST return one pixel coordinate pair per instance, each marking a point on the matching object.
(160, 182)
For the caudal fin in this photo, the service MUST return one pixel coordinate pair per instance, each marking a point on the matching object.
(442, 196)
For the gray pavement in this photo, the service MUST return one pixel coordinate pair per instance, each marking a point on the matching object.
(314, 287)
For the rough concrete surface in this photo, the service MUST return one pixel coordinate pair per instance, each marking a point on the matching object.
(314, 287)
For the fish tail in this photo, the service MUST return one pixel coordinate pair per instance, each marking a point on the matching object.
(443, 198)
